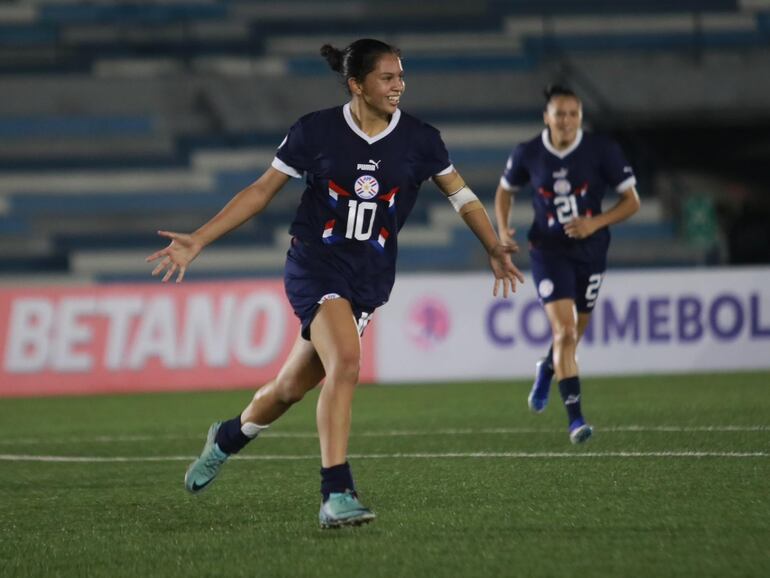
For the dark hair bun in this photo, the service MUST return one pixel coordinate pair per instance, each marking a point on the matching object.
(358, 59)
(333, 56)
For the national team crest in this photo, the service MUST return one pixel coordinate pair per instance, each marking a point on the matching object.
(366, 187)
(562, 187)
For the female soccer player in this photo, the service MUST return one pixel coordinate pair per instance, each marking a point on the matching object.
(570, 172)
(363, 164)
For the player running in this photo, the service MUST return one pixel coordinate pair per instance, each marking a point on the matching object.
(570, 172)
(363, 164)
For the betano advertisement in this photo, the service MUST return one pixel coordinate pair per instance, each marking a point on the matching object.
(152, 337)
(121, 338)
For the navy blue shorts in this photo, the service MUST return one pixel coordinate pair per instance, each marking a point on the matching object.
(310, 279)
(559, 276)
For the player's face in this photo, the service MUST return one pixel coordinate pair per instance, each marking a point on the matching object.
(382, 88)
(563, 116)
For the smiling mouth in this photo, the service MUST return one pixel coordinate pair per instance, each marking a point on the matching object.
(394, 99)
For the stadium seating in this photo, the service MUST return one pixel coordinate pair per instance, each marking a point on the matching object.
(119, 118)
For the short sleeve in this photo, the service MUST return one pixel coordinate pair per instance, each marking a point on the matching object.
(292, 157)
(434, 158)
(515, 173)
(616, 169)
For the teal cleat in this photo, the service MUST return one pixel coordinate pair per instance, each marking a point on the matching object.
(203, 470)
(344, 510)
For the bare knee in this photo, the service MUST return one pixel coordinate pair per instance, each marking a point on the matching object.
(289, 390)
(565, 336)
(344, 370)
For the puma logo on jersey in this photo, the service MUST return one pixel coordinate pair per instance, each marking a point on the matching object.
(370, 166)
(560, 174)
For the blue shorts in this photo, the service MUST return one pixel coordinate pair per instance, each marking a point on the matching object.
(310, 279)
(563, 277)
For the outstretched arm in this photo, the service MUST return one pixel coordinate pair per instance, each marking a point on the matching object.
(475, 216)
(582, 227)
(184, 248)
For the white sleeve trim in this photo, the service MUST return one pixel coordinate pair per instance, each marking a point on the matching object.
(508, 186)
(627, 184)
(279, 165)
(446, 171)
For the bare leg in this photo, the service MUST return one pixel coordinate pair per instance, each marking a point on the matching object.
(583, 320)
(582, 324)
(300, 373)
(567, 327)
(562, 316)
(335, 337)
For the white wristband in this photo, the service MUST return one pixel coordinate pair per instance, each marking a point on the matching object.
(462, 197)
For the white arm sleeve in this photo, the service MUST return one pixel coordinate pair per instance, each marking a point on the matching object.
(461, 198)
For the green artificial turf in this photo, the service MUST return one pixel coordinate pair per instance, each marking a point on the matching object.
(464, 480)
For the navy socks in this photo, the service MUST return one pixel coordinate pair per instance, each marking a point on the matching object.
(336, 479)
(230, 437)
(548, 359)
(570, 394)
(569, 389)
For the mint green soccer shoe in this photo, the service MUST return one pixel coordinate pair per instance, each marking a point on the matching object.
(344, 510)
(203, 470)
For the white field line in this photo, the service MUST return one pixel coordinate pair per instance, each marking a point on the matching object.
(419, 456)
(397, 433)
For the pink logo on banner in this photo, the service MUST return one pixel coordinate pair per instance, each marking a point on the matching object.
(124, 338)
(428, 322)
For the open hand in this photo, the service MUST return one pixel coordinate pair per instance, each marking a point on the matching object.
(176, 257)
(505, 271)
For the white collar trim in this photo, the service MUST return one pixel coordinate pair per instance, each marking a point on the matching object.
(556, 152)
(370, 139)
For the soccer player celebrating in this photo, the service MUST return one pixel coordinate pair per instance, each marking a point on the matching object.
(363, 164)
(569, 237)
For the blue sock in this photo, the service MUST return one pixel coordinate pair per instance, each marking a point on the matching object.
(570, 394)
(548, 359)
(336, 479)
(230, 438)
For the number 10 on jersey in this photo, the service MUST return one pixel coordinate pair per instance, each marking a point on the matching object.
(360, 220)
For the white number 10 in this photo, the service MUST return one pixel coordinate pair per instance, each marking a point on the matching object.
(357, 216)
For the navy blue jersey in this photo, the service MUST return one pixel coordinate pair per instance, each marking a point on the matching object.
(360, 189)
(567, 184)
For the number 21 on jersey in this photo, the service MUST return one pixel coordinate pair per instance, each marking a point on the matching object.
(566, 208)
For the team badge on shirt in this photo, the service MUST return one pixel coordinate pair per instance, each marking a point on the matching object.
(562, 187)
(366, 187)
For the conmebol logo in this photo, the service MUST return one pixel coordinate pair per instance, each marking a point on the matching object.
(428, 322)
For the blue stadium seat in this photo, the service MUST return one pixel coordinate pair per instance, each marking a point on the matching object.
(200, 68)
